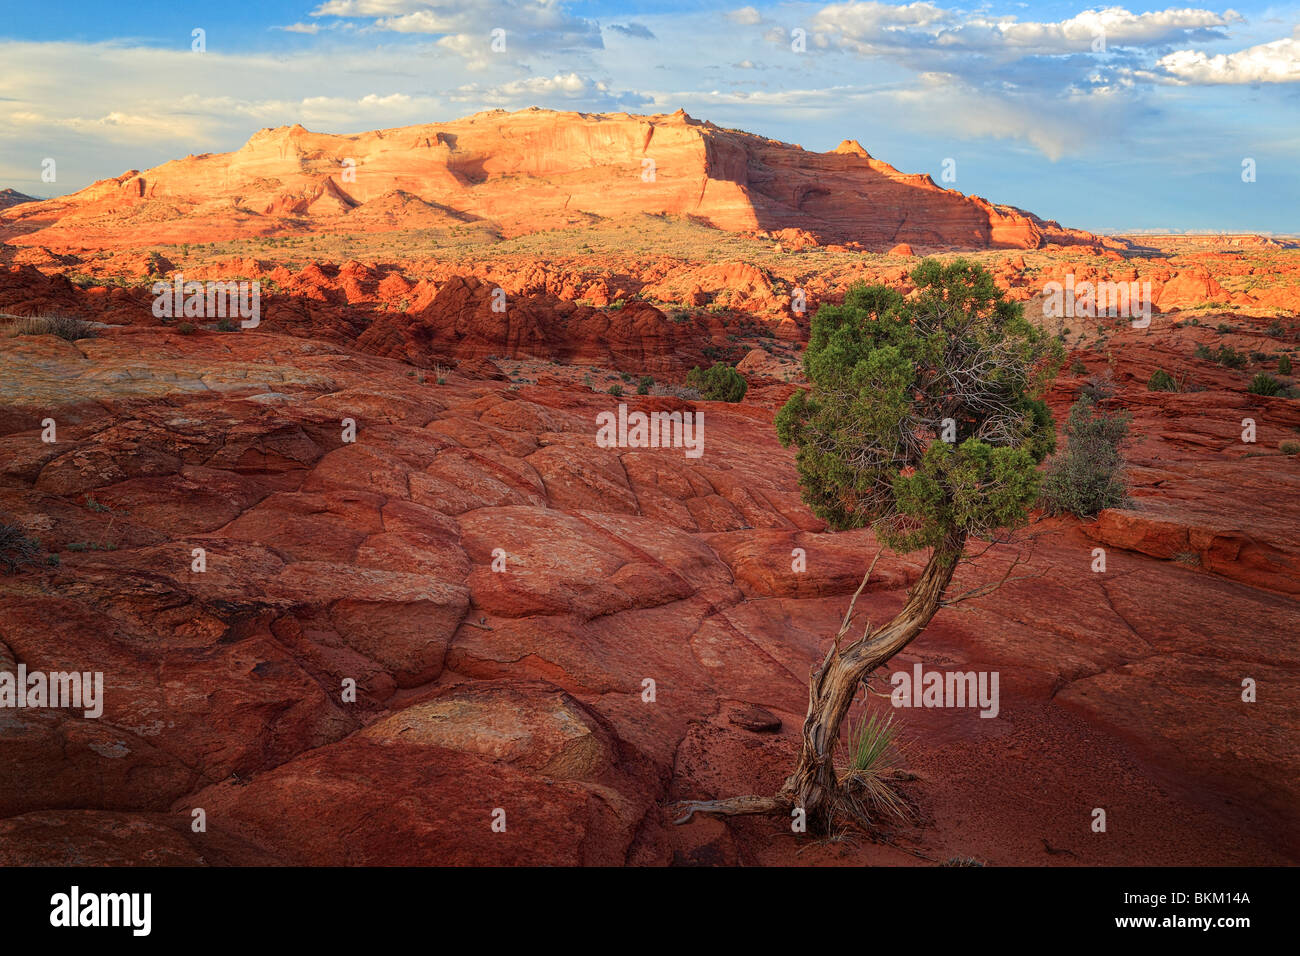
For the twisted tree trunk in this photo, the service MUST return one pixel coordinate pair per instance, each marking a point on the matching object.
(814, 785)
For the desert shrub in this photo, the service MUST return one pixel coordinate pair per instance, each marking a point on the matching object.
(1088, 475)
(225, 325)
(684, 392)
(1223, 328)
(1275, 329)
(1078, 368)
(1098, 387)
(616, 390)
(64, 326)
(1264, 384)
(1284, 365)
(719, 383)
(1162, 381)
(644, 385)
(1289, 447)
(16, 549)
(1225, 355)
(185, 328)
(1229, 357)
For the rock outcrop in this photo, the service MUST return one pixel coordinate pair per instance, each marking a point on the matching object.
(571, 166)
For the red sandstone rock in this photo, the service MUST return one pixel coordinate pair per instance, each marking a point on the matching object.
(464, 171)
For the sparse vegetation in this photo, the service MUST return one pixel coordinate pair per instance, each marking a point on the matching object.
(873, 757)
(1162, 381)
(644, 385)
(719, 383)
(64, 326)
(684, 392)
(17, 549)
(1099, 388)
(1225, 355)
(1264, 384)
(1088, 476)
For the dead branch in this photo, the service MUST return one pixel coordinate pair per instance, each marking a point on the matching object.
(993, 586)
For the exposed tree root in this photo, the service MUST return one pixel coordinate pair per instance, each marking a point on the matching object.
(732, 807)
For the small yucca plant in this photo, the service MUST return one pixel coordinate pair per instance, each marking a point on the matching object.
(873, 758)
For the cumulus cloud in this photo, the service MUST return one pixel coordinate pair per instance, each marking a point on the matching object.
(867, 27)
(578, 90)
(745, 16)
(467, 29)
(1276, 62)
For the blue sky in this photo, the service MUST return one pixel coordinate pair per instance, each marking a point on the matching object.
(1120, 117)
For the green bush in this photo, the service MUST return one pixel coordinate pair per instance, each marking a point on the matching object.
(1264, 384)
(1088, 475)
(1289, 447)
(16, 549)
(644, 385)
(616, 390)
(1284, 365)
(1162, 381)
(1230, 357)
(721, 383)
(1226, 356)
(225, 325)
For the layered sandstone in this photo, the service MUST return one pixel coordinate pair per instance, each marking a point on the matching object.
(526, 171)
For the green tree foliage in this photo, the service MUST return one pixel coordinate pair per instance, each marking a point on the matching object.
(721, 383)
(893, 379)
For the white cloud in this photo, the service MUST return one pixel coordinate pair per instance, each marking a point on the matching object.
(870, 28)
(573, 87)
(1276, 62)
(745, 16)
(467, 28)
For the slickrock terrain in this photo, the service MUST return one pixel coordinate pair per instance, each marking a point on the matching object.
(394, 486)
(522, 172)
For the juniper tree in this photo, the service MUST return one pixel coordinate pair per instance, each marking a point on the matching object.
(924, 421)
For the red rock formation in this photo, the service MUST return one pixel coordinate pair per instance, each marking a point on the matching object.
(575, 164)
